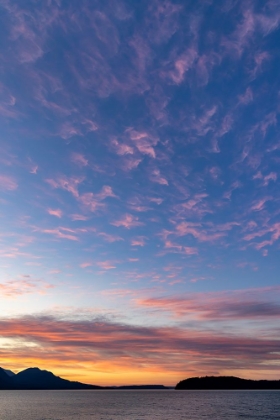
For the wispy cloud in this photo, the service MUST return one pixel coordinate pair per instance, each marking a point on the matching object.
(128, 221)
(86, 265)
(79, 159)
(221, 306)
(138, 241)
(68, 184)
(60, 233)
(8, 183)
(93, 202)
(144, 142)
(106, 265)
(55, 212)
(182, 65)
(110, 238)
(158, 178)
(23, 286)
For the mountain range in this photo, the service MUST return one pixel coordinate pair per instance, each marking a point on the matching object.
(35, 379)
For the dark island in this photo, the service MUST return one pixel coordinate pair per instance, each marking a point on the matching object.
(225, 383)
(37, 379)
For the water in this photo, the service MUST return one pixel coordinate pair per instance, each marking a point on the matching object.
(139, 405)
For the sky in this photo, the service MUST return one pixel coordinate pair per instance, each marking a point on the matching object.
(139, 189)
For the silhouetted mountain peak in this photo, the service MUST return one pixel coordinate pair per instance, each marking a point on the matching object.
(9, 372)
(35, 372)
(5, 380)
(35, 378)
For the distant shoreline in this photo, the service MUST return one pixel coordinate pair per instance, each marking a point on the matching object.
(35, 379)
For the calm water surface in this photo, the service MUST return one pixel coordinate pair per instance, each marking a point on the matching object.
(139, 405)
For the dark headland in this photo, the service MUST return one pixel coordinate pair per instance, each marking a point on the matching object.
(225, 383)
(37, 379)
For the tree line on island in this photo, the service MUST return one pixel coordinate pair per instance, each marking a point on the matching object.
(225, 383)
(37, 379)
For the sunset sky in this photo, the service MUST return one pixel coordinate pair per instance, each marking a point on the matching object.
(139, 189)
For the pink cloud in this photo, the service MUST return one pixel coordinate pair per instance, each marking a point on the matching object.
(251, 24)
(190, 250)
(258, 175)
(129, 164)
(193, 229)
(259, 205)
(235, 185)
(158, 178)
(273, 230)
(215, 172)
(239, 304)
(68, 130)
(170, 245)
(8, 183)
(68, 184)
(138, 241)
(79, 159)
(263, 244)
(256, 234)
(204, 65)
(247, 97)
(270, 177)
(144, 142)
(22, 286)
(110, 238)
(156, 200)
(106, 192)
(61, 233)
(128, 221)
(78, 217)
(94, 202)
(180, 248)
(86, 265)
(259, 59)
(138, 203)
(121, 148)
(91, 125)
(242, 35)
(34, 169)
(106, 265)
(7, 102)
(182, 65)
(55, 212)
(195, 206)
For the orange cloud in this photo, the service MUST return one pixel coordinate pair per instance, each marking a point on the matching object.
(119, 353)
